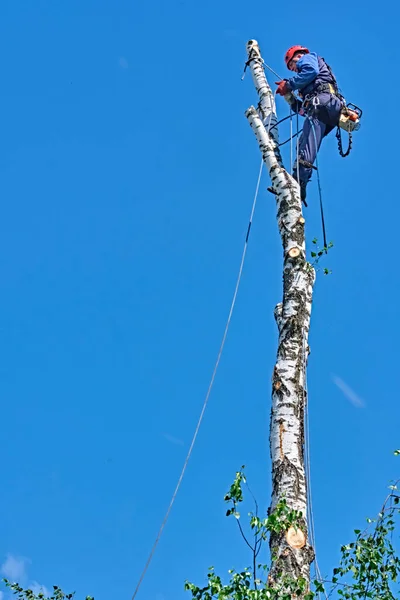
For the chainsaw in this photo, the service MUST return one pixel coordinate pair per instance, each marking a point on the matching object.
(350, 117)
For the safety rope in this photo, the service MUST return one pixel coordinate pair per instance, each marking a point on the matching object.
(310, 511)
(255, 56)
(319, 188)
(291, 143)
(292, 136)
(272, 71)
(297, 149)
(305, 396)
(239, 277)
(281, 121)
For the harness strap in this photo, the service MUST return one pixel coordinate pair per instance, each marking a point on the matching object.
(320, 89)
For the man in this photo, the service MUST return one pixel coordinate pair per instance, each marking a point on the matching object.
(320, 104)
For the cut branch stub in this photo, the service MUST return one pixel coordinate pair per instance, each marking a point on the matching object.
(295, 538)
(294, 252)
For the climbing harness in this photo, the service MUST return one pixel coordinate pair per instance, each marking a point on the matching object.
(320, 89)
(349, 119)
(350, 114)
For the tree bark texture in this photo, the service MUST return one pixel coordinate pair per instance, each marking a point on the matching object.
(293, 554)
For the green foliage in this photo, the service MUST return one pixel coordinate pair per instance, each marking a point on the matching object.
(248, 584)
(235, 494)
(368, 568)
(239, 588)
(22, 594)
(317, 255)
(278, 521)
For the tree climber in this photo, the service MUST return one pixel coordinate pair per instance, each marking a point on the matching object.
(320, 103)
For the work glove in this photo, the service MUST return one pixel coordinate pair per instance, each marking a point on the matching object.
(283, 87)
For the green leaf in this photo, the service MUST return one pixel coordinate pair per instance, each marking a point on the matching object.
(319, 588)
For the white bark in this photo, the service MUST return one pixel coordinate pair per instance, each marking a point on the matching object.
(266, 107)
(293, 320)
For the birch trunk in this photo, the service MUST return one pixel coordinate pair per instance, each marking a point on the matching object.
(292, 551)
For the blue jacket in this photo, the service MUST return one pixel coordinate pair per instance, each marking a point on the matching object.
(312, 71)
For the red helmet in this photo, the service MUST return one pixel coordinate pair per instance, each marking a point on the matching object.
(292, 51)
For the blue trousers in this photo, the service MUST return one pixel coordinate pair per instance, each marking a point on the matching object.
(321, 118)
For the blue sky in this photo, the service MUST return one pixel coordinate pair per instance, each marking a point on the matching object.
(127, 171)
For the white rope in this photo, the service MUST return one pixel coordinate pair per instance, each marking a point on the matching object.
(239, 277)
(297, 150)
(291, 138)
(272, 71)
(310, 511)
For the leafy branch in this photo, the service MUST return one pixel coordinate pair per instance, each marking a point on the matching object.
(318, 253)
(22, 594)
(368, 567)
